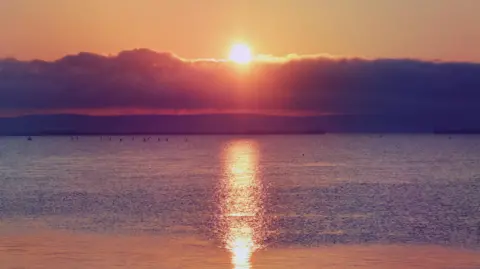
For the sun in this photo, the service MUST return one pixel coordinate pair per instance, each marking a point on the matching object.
(240, 54)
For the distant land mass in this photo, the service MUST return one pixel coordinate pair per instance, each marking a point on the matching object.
(457, 131)
(64, 124)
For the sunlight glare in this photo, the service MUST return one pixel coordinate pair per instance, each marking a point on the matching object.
(242, 204)
(240, 54)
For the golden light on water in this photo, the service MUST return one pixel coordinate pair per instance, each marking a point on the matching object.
(242, 212)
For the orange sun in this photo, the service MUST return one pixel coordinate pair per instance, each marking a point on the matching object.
(240, 54)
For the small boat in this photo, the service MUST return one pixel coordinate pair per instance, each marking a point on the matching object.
(29, 138)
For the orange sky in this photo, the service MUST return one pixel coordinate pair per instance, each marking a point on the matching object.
(427, 29)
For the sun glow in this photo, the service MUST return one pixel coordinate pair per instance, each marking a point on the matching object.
(240, 54)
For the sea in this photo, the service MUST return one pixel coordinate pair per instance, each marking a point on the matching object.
(241, 202)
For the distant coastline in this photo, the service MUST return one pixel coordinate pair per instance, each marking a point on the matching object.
(456, 131)
(162, 133)
(232, 124)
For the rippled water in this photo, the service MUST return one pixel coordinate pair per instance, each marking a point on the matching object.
(328, 201)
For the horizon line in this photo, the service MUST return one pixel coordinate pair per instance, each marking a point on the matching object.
(258, 58)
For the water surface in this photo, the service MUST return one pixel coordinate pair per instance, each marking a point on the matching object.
(327, 201)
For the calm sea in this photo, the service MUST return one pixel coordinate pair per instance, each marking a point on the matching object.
(326, 201)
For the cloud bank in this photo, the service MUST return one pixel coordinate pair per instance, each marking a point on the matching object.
(144, 81)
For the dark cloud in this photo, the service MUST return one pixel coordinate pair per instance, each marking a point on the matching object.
(151, 81)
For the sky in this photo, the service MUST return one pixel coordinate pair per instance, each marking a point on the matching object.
(429, 29)
(340, 57)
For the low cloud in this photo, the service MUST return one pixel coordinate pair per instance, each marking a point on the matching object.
(144, 81)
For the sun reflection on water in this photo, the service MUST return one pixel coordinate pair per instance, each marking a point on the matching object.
(241, 205)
